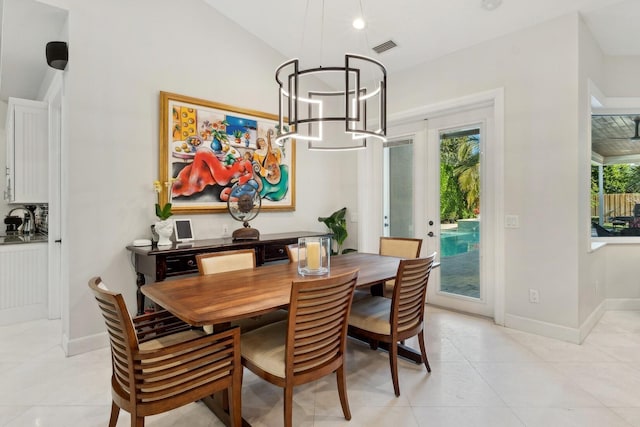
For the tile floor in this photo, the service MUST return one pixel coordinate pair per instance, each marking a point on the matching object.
(483, 375)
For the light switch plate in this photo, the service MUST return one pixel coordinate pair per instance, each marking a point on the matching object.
(512, 221)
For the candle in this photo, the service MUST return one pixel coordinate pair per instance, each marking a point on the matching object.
(313, 255)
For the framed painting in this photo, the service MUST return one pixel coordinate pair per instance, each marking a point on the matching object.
(212, 153)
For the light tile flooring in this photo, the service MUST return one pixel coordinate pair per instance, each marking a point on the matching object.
(483, 375)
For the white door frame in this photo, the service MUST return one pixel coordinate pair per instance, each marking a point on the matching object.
(482, 118)
(370, 181)
(54, 96)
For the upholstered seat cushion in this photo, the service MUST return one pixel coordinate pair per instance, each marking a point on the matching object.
(265, 347)
(371, 314)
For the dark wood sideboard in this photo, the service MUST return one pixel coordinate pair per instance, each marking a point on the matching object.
(180, 258)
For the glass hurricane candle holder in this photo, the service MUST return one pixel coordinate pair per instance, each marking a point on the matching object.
(313, 255)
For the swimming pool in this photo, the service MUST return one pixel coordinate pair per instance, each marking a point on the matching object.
(458, 242)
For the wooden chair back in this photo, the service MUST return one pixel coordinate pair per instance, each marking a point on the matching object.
(158, 375)
(380, 319)
(292, 252)
(314, 338)
(409, 296)
(219, 262)
(317, 327)
(402, 247)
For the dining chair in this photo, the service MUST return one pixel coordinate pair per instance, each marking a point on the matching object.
(381, 319)
(310, 344)
(154, 371)
(240, 259)
(292, 252)
(402, 247)
(219, 262)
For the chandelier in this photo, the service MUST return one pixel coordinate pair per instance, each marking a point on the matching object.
(333, 108)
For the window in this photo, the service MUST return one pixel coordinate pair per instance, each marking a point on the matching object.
(615, 175)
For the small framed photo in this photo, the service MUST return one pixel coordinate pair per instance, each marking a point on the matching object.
(183, 230)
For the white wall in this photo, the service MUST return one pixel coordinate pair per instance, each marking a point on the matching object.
(623, 272)
(621, 76)
(592, 265)
(118, 63)
(538, 69)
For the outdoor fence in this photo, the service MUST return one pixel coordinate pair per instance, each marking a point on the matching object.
(619, 204)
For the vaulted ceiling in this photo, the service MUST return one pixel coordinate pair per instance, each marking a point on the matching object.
(319, 32)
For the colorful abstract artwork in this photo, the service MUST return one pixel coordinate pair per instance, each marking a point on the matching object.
(214, 153)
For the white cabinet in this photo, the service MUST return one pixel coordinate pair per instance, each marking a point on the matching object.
(23, 282)
(27, 151)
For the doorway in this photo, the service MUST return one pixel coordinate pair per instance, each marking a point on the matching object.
(459, 219)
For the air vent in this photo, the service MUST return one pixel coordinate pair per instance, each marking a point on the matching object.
(383, 47)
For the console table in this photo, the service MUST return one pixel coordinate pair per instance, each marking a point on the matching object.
(179, 259)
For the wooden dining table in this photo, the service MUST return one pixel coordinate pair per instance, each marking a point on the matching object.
(234, 295)
(221, 298)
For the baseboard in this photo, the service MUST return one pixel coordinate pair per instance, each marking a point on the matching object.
(623, 304)
(84, 344)
(564, 333)
(545, 329)
(592, 320)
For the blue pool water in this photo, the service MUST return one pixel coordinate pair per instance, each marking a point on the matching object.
(458, 242)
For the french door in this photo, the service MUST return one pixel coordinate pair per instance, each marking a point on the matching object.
(459, 213)
(398, 189)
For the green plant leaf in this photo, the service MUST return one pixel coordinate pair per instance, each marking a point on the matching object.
(338, 226)
(165, 212)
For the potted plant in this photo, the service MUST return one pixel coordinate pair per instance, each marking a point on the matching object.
(337, 223)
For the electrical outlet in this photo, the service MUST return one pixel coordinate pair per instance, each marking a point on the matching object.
(534, 296)
(225, 229)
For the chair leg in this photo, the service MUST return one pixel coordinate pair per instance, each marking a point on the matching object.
(115, 411)
(288, 406)
(235, 405)
(393, 361)
(342, 392)
(423, 350)
(137, 421)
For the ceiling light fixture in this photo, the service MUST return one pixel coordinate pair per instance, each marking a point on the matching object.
(328, 106)
(491, 4)
(358, 23)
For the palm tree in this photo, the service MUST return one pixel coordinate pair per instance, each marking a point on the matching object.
(468, 170)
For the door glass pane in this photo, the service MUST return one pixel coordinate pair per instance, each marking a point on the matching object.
(460, 212)
(399, 157)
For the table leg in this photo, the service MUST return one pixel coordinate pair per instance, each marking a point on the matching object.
(139, 295)
(219, 405)
(377, 290)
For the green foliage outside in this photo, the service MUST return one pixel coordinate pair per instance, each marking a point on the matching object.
(622, 178)
(459, 178)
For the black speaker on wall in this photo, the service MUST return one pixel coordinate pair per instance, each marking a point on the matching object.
(57, 55)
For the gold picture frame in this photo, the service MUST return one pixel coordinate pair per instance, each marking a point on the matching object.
(212, 152)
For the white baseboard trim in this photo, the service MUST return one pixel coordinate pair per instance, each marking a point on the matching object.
(623, 303)
(84, 344)
(592, 320)
(545, 329)
(564, 333)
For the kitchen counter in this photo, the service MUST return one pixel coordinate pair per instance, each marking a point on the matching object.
(14, 239)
